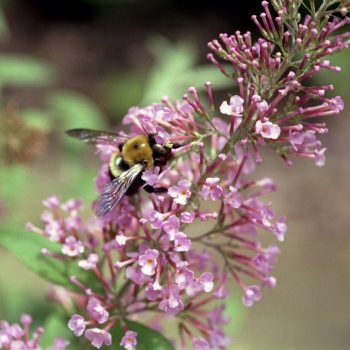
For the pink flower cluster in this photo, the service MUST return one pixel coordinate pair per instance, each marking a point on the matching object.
(17, 337)
(280, 106)
(145, 253)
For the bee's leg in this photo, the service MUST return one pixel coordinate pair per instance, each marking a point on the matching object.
(151, 189)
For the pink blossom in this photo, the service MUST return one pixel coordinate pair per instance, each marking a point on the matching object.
(171, 226)
(129, 341)
(72, 247)
(181, 193)
(97, 311)
(151, 176)
(211, 188)
(171, 304)
(267, 130)
(77, 325)
(199, 343)
(52, 202)
(181, 242)
(320, 159)
(251, 295)
(148, 261)
(90, 262)
(98, 337)
(206, 280)
(234, 108)
(233, 198)
(186, 217)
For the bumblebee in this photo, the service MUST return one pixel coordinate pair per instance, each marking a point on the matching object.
(126, 165)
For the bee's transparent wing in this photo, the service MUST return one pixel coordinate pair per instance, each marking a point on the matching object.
(114, 191)
(95, 136)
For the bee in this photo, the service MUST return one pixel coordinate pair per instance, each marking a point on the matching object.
(126, 165)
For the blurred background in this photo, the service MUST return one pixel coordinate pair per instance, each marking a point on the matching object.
(84, 63)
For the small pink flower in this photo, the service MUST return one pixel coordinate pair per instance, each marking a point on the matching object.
(77, 325)
(206, 281)
(338, 104)
(72, 247)
(97, 311)
(129, 341)
(151, 176)
(171, 226)
(181, 242)
(72, 206)
(234, 199)
(211, 188)
(89, 263)
(199, 343)
(183, 276)
(234, 108)
(172, 304)
(267, 130)
(186, 217)
(320, 158)
(52, 202)
(148, 261)
(251, 295)
(262, 106)
(98, 337)
(280, 228)
(180, 193)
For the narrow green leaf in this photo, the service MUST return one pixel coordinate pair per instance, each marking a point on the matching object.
(23, 71)
(27, 248)
(75, 110)
(147, 338)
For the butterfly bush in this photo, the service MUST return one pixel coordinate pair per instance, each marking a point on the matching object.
(174, 256)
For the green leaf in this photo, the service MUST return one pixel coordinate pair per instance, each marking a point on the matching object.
(147, 338)
(171, 63)
(23, 70)
(27, 248)
(55, 327)
(75, 110)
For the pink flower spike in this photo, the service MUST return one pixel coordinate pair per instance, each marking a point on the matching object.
(72, 247)
(77, 325)
(97, 311)
(181, 193)
(267, 130)
(98, 337)
(89, 263)
(129, 341)
(234, 108)
(148, 261)
(251, 295)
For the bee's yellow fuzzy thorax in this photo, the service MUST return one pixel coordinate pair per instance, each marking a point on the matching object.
(138, 150)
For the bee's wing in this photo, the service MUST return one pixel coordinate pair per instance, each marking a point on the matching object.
(114, 191)
(95, 136)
